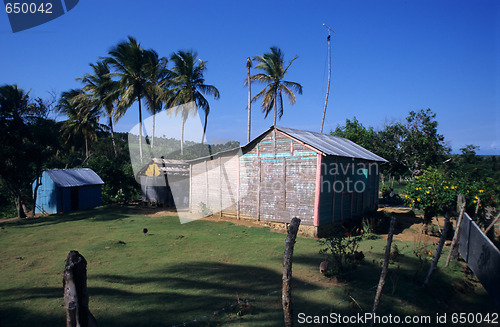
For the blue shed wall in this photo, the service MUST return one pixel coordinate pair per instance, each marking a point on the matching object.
(64, 199)
(52, 199)
(46, 197)
(89, 196)
(349, 189)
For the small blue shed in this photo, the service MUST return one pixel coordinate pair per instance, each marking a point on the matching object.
(63, 190)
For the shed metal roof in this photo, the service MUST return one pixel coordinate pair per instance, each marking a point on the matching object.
(169, 166)
(326, 144)
(74, 177)
(331, 145)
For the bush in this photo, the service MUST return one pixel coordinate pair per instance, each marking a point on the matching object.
(436, 193)
(342, 245)
(118, 176)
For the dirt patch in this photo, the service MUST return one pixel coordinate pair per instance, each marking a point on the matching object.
(38, 215)
(4, 220)
(410, 227)
(241, 222)
(161, 213)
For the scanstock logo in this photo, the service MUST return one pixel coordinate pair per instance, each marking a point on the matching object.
(27, 14)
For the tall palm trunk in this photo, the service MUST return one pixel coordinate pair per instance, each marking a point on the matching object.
(86, 147)
(182, 136)
(275, 107)
(153, 138)
(140, 127)
(204, 130)
(204, 135)
(112, 135)
(249, 65)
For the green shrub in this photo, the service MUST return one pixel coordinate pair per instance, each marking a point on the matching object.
(341, 246)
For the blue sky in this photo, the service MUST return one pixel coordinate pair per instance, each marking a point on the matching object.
(388, 57)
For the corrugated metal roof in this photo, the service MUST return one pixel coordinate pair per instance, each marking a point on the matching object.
(331, 145)
(74, 177)
(172, 166)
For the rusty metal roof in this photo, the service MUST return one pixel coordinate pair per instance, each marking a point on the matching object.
(74, 177)
(329, 144)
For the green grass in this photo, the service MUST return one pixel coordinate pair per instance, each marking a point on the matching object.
(178, 273)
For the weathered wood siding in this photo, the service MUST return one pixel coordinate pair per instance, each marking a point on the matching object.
(349, 188)
(277, 180)
(214, 182)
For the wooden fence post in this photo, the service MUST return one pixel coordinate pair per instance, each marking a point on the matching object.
(76, 296)
(456, 235)
(492, 224)
(286, 294)
(385, 267)
(439, 249)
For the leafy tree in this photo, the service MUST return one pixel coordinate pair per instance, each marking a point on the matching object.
(274, 72)
(355, 131)
(188, 85)
(28, 140)
(413, 144)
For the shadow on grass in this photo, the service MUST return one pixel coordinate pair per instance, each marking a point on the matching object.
(449, 291)
(171, 296)
(199, 290)
(104, 213)
(14, 316)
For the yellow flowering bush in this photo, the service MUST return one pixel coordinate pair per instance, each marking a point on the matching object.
(435, 192)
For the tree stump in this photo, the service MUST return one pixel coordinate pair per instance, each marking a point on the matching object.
(76, 296)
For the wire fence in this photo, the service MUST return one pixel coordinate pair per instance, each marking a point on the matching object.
(481, 255)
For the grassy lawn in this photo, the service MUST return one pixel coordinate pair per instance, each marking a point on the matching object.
(179, 273)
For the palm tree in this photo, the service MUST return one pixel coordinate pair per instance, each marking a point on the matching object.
(104, 91)
(274, 73)
(188, 85)
(83, 116)
(157, 90)
(131, 63)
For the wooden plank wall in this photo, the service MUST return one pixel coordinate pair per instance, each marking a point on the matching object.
(339, 201)
(214, 182)
(277, 181)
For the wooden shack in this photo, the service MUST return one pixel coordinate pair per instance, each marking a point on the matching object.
(165, 182)
(285, 173)
(64, 190)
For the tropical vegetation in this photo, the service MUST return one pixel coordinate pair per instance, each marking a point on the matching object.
(272, 65)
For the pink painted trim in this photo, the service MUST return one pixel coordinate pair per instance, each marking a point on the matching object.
(318, 189)
(238, 190)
